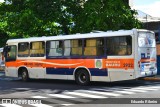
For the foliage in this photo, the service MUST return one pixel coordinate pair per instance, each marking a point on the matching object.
(104, 15)
(25, 18)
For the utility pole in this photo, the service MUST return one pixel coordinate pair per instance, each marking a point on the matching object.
(147, 21)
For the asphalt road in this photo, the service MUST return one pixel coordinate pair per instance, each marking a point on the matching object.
(68, 93)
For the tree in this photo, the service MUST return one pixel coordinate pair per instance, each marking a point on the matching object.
(22, 22)
(104, 15)
(26, 18)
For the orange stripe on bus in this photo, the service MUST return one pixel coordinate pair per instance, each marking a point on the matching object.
(148, 60)
(73, 63)
(57, 63)
(120, 63)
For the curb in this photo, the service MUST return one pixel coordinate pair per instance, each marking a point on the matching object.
(151, 79)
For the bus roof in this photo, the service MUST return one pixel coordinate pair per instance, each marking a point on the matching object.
(76, 36)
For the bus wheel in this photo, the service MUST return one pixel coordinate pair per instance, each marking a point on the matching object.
(25, 76)
(82, 77)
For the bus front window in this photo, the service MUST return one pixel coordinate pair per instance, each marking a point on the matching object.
(11, 53)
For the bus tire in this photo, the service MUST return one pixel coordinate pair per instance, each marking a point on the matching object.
(82, 77)
(25, 76)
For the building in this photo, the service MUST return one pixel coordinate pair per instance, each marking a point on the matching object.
(150, 23)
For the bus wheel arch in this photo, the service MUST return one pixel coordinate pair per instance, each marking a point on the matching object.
(82, 75)
(23, 72)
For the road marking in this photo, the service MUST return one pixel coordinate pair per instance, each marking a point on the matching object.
(148, 88)
(134, 90)
(85, 95)
(110, 89)
(52, 101)
(40, 105)
(61, 96)
(70, 97)
(137, 89)
(129, 90)
(38, 97)
(10, 105)
(98, 92)
(81, 96)
(67, 104)
(154, 87)
(124, 92)
(105, 89)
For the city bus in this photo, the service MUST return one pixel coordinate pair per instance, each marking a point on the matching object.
(97, 56)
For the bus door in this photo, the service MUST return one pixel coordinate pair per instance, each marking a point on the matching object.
(10, 58)
(120, 59)
(146, 54)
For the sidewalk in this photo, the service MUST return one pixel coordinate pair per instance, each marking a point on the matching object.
(155, 78)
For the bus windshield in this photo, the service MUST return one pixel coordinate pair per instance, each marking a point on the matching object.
(146, 40)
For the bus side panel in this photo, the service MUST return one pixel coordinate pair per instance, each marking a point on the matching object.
(120, 68)
(101, 78)
(11, 72)
(57, 73)
(66, 68)
(68, 73)
(121, 74)
(11, 69)
(36, 72)
(99, 74)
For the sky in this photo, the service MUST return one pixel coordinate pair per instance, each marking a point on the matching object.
(151, 7)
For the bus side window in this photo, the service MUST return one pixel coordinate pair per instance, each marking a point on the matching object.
(23, 49)
(37, 49)
(90, 47)
(67, 47)
(54, 48)
(59, 48)
(129, 45)
(76, 47)
(121, 45)
(100, 46)
(94, 47)
(110, 46)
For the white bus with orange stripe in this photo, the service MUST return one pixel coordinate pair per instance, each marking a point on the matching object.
(103, 56)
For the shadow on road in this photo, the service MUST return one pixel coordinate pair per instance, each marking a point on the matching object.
(41, 85)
